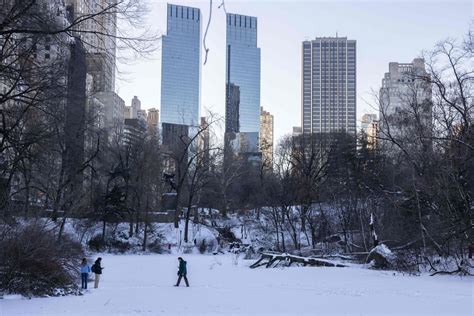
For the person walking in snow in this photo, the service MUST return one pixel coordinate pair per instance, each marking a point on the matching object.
(182, 271)
(85, 270)
(97, 269)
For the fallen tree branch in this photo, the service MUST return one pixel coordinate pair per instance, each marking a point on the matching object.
(270, 258)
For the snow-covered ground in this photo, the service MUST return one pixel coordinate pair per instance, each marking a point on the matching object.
(143, 285)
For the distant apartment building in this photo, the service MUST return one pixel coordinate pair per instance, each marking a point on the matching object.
(372, 134)
(113, 111)
(405, 101)
(242, 86)
(99, 37)
(296, 131)
(153, 117)
(134, 131)
(142, 115)
(369, 125)
(127, 112)
(328, 86)
(135, 106)
(266, 137)
(366, 120)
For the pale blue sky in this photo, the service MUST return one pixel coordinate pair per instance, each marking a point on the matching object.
(385, 31)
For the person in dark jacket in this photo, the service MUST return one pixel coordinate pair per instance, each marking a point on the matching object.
(182, 271)
(97, 269)
(85, 270)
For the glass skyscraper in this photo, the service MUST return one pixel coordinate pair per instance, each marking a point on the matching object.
(329, 85)
(180, 66)
(242, 83)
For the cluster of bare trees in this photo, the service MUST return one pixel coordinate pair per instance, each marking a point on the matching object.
(412, 190)
(46, 115)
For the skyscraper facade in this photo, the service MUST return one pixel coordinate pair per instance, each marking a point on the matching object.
(181, 67)
(242, 83)
(329, 85)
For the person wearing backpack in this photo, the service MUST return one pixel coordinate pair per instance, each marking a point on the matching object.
(182, 271)
(97, 269)
(85, 270)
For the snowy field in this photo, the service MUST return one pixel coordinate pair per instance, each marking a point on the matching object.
(143, 285)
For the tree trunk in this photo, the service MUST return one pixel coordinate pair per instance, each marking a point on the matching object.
(188, 215)
(419, 214)
(145, 232)
(362, 230)
(293, 230)
(130, 225)
(137, 220)
(61, 229)
(104, 223)
(176, 214)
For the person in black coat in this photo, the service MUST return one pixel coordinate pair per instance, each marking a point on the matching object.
(182, 271)
(97, 269)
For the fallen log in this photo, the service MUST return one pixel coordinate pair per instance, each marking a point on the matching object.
(270, 259)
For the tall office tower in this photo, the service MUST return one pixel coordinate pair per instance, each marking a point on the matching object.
(329, 85)
(181, 67)
(242, 84)
(404, 96)
(266, 138)
(99, 37)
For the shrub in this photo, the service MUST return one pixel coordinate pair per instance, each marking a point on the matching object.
(33, 263)
(96, 243)
(226, 234)
(156, 244)
(118, 245)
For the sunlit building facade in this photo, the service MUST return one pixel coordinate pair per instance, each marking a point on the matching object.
(266, 138)
(329, 86)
